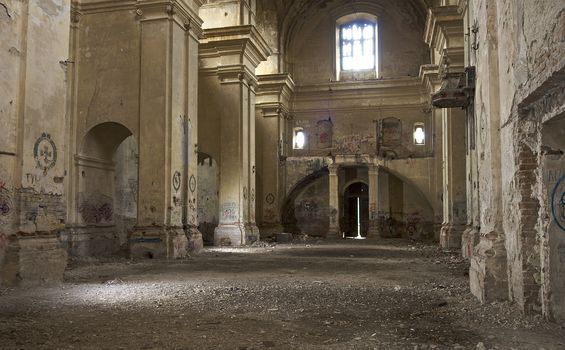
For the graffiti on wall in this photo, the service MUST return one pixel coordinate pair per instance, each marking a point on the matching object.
(5, 200)
(192, 183)
(96, 209)
(353, 144)
(229, 212)
(558, 203)
(45, 153)
(176, 181)
(415, 225)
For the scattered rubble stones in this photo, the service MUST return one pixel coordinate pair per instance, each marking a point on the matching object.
(390, 294)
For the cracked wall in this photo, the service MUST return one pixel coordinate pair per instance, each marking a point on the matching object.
(522, 48)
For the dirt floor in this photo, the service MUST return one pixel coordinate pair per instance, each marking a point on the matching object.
(390, 294)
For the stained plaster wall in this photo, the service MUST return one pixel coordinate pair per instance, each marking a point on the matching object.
(33, 40)
(522, 46)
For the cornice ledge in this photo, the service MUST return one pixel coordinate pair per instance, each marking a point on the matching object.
(281, 83)
(256, 47)
(440, 18)
(429, 75)
(273, 110)
(236, 74)
(379, 84)
(179, 8)
(103, 6)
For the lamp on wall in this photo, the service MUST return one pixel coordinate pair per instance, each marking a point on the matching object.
(419, 134)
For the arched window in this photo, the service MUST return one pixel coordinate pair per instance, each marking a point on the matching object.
(357, 53)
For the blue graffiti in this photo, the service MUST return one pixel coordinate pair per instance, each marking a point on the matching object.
(558, 203)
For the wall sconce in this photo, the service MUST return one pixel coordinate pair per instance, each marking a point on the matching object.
(299, 139)
(419, 134)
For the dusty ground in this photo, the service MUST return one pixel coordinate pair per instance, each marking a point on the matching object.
(350, 295)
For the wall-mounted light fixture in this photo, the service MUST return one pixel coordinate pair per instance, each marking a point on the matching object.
(419, 134)
(299, 139)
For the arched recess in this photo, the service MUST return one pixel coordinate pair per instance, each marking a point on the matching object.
(208, 196)
(106, 190)
(355, 199)
(404, 210)
(305, 209)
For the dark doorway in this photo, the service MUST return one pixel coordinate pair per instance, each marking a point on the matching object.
(356, 200)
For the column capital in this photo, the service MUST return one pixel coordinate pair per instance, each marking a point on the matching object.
(373, 169)
(333, 168)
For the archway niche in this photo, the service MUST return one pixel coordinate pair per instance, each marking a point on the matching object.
(553, 218)
(305, 209)
(355, 203)
(106, 196)
(404, 211)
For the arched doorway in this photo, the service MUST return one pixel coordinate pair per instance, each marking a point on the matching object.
(106, 196)
(356, 210)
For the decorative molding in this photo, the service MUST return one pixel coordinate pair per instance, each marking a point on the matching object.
(242, 43)
(442, 23)
(90, 162)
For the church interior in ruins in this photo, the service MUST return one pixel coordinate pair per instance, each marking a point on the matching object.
(291, 174)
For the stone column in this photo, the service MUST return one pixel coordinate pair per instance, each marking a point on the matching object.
(454, 179)
(229, 57)
(373, 202)
(273, 98)
(166, 92)
(334, 229)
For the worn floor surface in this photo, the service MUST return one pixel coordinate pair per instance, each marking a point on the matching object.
(388, 294)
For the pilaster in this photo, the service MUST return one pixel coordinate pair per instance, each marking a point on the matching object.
(228, 58)
(167, 157)
(273, 100)
(334, 229)
(373, 202)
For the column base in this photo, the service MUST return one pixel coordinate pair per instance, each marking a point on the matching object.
(91, 241)
(158, 242)
(469, 239)
(334, 233)
(450, 236)
(487, 273)
(195, 240)
(31, 260)
(374, 231)
(270, 230)
(236, 234)
(251, 233)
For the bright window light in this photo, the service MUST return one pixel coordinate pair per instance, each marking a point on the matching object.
(419, 134)
(299, 138)
(358, 42)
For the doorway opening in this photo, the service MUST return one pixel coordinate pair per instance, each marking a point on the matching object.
(356, 210)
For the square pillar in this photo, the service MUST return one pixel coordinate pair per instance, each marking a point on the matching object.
(168, 32)
(454, 179)
(334, 229)
(229, 57)
(373, 202)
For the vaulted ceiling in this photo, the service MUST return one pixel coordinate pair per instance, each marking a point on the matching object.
(295, 14)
